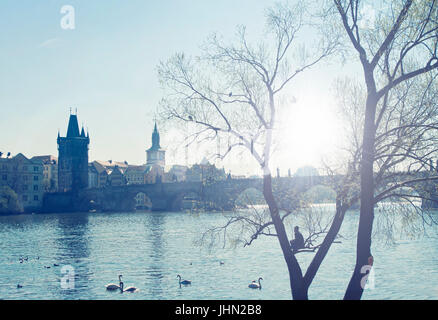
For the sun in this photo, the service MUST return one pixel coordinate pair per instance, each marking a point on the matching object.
(307, 133)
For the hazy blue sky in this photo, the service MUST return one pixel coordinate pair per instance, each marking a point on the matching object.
(106, 68)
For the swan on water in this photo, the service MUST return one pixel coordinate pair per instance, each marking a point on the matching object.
(184, 281)
(113, 286)
(129, 289)
(255, 285)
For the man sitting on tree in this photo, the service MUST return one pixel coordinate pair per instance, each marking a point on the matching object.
(298, 242)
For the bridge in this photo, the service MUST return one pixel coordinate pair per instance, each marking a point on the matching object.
(169, 196)
(217, 195)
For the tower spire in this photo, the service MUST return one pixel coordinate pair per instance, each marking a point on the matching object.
(155, 138)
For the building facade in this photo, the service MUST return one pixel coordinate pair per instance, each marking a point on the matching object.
(93, 176)
(135, 174)
(73, 158)
(177, 173)
(26, 177)
(50, 173)
(205, 172)
(117, 177)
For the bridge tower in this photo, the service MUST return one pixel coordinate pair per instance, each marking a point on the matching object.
(73, 157)
(155, 155)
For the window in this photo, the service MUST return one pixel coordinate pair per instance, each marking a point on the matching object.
(24, 168)
(25, 178)
(5, 177)
(35, 178)
(35, 188)
(24, 198)
(35, 169)
(35, 198)
(4, 167)
(25, 187)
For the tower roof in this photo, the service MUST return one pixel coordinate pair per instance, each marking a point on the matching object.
(155, 139)
(73, 127)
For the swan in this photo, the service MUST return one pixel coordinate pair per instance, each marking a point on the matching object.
(255, 285)
(113, 286)
(129, 289)
(184, 281)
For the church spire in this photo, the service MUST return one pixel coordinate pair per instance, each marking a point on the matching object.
(155, 138)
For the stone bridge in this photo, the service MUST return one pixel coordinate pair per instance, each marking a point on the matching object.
(169, 196)
(218, 195)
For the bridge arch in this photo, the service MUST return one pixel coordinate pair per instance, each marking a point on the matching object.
(142, 201)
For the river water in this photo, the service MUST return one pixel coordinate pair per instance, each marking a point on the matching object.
(150, 249)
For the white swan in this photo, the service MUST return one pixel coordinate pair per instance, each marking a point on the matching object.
(255, 285)
(113, 286)
(184, 281)
(129, 289)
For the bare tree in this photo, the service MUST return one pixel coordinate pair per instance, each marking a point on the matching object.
(400, 45)
(233, 93)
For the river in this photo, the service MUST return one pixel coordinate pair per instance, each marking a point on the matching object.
(151, 248)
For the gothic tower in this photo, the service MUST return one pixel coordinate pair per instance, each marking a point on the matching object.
(155, 155)
(73, 158)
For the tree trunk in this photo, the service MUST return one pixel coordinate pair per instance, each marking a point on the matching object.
(363, 250)
(295, 273)
(325, 246)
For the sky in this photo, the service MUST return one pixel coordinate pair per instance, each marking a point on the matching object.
(106, 68)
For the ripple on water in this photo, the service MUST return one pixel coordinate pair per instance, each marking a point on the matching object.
(150, 249)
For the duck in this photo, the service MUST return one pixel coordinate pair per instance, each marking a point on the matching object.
(185, 282)
(255, 285)
(113, 286)
(19, 286)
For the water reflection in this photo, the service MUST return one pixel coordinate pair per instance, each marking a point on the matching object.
(72, 249)
(154, 224)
